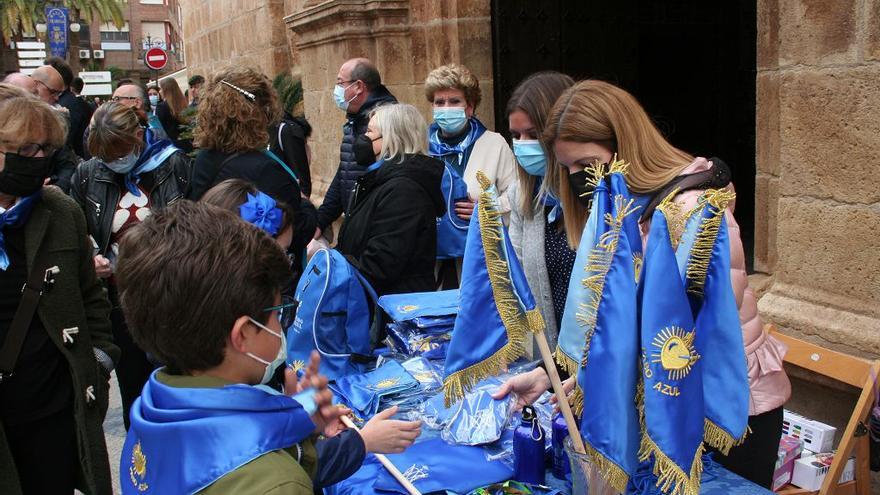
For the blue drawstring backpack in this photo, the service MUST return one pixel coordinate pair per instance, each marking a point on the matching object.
(333, 316)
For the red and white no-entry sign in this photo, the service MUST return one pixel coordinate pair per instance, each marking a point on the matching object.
(156, 58)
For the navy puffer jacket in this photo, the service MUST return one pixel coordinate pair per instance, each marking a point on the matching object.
(337, 197)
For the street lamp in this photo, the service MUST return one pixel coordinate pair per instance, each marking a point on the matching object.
(41, 27)
(74, 27)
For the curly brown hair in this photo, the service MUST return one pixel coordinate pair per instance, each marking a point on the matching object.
(234, 120)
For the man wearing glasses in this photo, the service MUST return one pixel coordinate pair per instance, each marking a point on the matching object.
(50, 85)
(132, 95)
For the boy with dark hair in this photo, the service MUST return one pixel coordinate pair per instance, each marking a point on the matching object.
(212, 316)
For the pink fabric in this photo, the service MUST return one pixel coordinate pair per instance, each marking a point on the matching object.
(768, 383)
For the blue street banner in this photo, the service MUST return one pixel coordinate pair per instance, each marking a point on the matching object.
(56, 30)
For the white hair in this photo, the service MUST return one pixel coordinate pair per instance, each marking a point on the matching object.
(403, 130)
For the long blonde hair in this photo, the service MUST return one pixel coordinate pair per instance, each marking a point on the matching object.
(598, 112)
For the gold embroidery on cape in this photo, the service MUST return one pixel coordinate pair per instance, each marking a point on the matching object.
(701, 253)
(675, 351)
(137, 470)
(517, 322)
(386, 383)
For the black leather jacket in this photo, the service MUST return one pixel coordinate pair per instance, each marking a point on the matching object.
(97, 190)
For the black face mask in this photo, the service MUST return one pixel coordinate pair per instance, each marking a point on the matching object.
(22, 176)
(581, 189)
(363, 151)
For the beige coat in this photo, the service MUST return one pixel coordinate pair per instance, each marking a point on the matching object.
(492, 155)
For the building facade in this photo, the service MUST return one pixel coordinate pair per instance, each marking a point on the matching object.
(784, 90)
(100, 46)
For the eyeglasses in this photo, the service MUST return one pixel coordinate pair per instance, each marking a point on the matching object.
(53, 92)
(117, 99)
(30, 150)
(286, 311)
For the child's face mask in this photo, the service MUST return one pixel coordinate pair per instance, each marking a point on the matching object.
(280, 358)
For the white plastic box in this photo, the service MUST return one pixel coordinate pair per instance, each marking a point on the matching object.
(809, 472)
(816, 436)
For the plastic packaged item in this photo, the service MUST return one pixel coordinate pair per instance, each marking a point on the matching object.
(479, 419)
(528, 449)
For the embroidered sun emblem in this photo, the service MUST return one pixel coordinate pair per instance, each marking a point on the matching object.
(138, 469)
(425, 376)
(407, 308)
(638, 262)
(298, 365)
(675, 352)
(386, 383)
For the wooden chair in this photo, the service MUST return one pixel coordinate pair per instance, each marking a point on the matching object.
(859, 373)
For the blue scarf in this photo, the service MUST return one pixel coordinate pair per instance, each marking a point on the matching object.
(183, 439)
(15, 217)
(436, 146)
(152, 157)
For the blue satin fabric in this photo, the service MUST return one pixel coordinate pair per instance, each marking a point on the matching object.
(479, 332)
(152, 157)
(14, 218)
(673, 405)
(403, 307)
(433, 465)
(720, 342)
(610, 421)
(183, 439)
(452, 230)
(369, 393)
(571, 333)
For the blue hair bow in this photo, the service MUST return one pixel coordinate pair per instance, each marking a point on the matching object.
(261, 211)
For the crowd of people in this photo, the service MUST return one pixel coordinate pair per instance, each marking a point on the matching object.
(128, 245)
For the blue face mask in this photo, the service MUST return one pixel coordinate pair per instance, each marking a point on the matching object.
(125, 164)
(450, 119)
(530, 156)
(154, 100)
(339, 96)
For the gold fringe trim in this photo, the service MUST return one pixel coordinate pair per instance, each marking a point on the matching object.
(576, 400)
(716, 437)
(597, 170)
(598, 265)
(516, 322)
(675, 218)
(701, 253)
(671, 479)
(613, 474)
(566, 362)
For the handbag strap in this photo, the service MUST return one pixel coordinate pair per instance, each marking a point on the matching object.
(38, 282)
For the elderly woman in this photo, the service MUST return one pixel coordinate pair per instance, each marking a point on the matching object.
(464, 145)
(390, 232)
(116, 190)
(57, 351)
(235, 112)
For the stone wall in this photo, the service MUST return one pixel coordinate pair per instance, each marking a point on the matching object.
(251, 33)
(818, 188)
(405, 38)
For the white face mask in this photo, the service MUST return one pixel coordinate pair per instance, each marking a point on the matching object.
(280, 358)
(339, 96)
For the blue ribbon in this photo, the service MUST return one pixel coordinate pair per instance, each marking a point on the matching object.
(15, 217)
(436, 146)
(261, 211)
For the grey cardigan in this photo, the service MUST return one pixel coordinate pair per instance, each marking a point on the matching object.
(527, 237)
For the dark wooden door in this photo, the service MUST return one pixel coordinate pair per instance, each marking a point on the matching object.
(691, 64)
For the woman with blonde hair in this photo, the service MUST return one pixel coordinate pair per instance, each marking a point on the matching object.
(124, 181)
(464, 145)
(169, 111)
(58, 351)
(537, 231)
(236, 110)
(390, 232)
(591, 122)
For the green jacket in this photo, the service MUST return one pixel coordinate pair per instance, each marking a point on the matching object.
(57, 229)
(275, 473)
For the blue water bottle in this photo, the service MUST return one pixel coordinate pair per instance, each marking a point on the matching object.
(528, 449)
(561, 466)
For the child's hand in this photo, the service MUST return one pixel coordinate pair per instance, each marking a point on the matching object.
(327, 415)
(389, 436)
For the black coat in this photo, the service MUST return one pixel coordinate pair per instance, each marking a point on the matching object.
(339, 192)
(79, 114)
(390, 231)
(213, 167)
(287, 139)
(97, 190)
